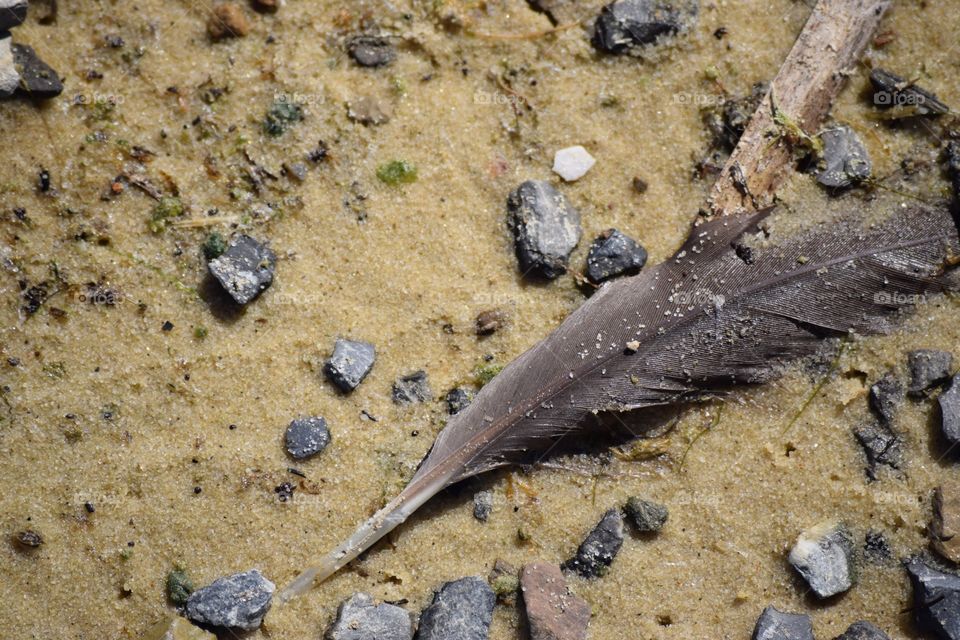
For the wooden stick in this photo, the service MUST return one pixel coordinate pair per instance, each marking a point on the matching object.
(802, 93)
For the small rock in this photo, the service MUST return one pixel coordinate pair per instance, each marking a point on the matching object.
(12, 13)
(936, 599)
(599, 548)
(266, 6)
(647, 516)
(37, 79)
(572, 163)
(227, 20)
(350, 363)
(546, 228)
(296, 170)
(176, 628)
(482, 505)
(823, 556)
(368, 110)
(9, 78)
(460, 610)
(28, 539)
(949, 402)
(862, 630)
(945, 529)
(876, 549)
(489, 321)
(239, 601)
(904, 98)
(306, 437)
(553, 612)
(613, 254)
(639, 184)
(885, 396)
(928, 368)
(625, 24)
(412, 388)
(882, 447)
(371, 51)
(845, 160)
(777, 625)
(359, 618)
(245, 269)
(458, 399)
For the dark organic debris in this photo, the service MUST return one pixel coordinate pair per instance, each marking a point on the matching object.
(777, 625)
(489, 321)
(881, 445)
(928, 368)
(597, 551)
(885, 397)
(727, 122)
(245, 269)
(862, 630)
(823, 556)
(239, 601)
(624, 24)
(371, 51)
(457, 399)
(613, 254)
(845, 161)
(647, 516)
(412, 388)
(462, 609)
(876, 548)
(546, 228)
(360, 618)
(306, 437)
(936, 599)
(903, 98)
(553, 611)
(28, 539)
(949, 402)
(350, 363)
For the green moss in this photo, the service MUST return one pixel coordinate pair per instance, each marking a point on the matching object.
(179, 587)
(168, 207)
(55, 370)
(280, 116)
(200, 332)
(214, 246)
(396, 172)
(505, 586)
(485, 373)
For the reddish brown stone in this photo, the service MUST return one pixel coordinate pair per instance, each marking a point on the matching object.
(227, 20)
(554, 613)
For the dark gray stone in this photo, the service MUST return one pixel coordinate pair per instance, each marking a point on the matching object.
(893, 92)
(845, 160)
(885, 397)
(823, 556)
(482, 505)
(647, 516)
(546, 228)
(306, 437)
(597, 551)
(12, 13)
(461, 610)
(360, 618)
(949, 402)
(37, 78)
(371, 51)
(777, 625)
(928, 368)
(882, 447)
(239, 601)
(936, 599)
(862, 630)
(412, 388)
(350, 363)
(458, 399)
(876, 549)
(245, 269)
(613, 254)
(625, 24)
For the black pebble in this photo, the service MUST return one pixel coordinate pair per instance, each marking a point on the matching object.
(371, 51)
(936, 599)
(882, 447)
(412, 388)
(167, 326)
(37, 79)
(845, 161)
(876, 548)
(599, 548)
(777, 625)
(624, 24)
(457, 400)
(350, 363)
(862, 630)
(306, 437)
(245, 269)
(546, 228)
(12, 14)
(949, 402)
(885, 396)
(928, 368)
(613, 254)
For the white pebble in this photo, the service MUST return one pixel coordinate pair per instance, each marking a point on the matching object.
(572, 163)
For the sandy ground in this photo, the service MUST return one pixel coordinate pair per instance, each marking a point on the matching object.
(107, 408)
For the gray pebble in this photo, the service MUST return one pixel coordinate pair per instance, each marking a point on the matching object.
(597, 551)
(12, 13)
(862, 630)
(823, 556)
(461, 610)
(624, 24)
(412, 388)
(882, 446)
(647, 516)
(239, 601)
(546, 228)
(936, 599)
(482, 505)
(9, 78)
(360, 618)
(613, 254)
(306, 437)
(245, 269)
(928, 368)
(457, 399)
(949, 402)
(777, 625)
(350, 363)
(845, 160)
(885, 397)
(371, 51)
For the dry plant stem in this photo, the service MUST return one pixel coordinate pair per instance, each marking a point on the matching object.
(803, 91)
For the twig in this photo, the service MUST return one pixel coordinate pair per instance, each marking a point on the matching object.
(805, 87)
